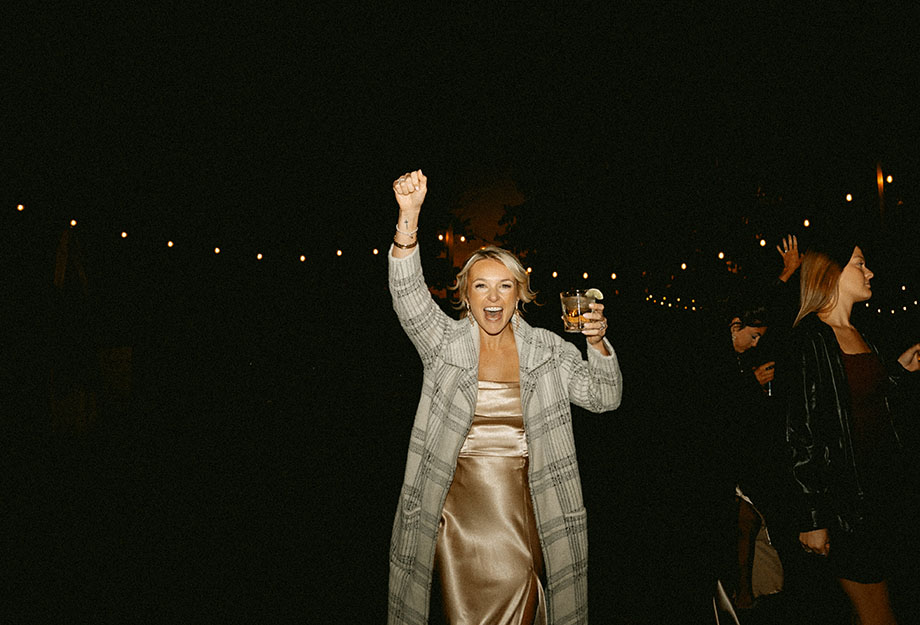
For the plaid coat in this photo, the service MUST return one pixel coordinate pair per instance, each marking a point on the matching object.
(553, 374)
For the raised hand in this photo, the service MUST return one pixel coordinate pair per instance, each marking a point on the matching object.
(596, 327)
(791, 257)
(410, 190)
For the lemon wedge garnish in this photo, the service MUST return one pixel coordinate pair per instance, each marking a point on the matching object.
(595, 293)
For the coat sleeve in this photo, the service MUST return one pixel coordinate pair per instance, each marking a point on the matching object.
(807, 446)
(595, 385)
(420, 317)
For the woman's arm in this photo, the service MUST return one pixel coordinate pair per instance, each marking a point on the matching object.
(595, 385)
(807, 447)
(422, 319)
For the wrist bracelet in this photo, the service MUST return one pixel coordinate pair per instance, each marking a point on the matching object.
(404, 247)
(408, 234)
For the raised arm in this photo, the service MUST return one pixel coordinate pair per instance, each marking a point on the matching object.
(422, 319)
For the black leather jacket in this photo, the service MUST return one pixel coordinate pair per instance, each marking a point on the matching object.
(818, 421)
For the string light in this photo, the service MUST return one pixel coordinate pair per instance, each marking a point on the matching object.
(440, 237)
(259, 256)
(124, 235)
(73, 222)
(849, 197)
(20, 208)
(763, 243)
(806, 223)
(555, 274)
(217, 250)
(585, 275)
(462, 239)
(721, 255)
(338, 252)
(376, 251)
(303, 258)
(613, 276)
(683, 266)
(529, 269)
(169, 244)
(888, 179)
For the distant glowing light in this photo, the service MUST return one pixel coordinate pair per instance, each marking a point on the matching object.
(529, 269)
(217, 250)
(888, 179)
(903, 287)
(73, 222)
(259, 256)
(849, 197)
(806, 223)
(20, 208)
(376, 251)
(683, 265)
(302, 258)
(613, 276)
(555, 274)
(124, 235)
(338, 252)
(763, 243)
(462, 239)
(585, 275)
(169, 244)
(721, 255)
(440, 237)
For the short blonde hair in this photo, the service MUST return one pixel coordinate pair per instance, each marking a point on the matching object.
(818, 283)
(509, 260)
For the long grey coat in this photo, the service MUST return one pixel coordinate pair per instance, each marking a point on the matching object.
(553, 374)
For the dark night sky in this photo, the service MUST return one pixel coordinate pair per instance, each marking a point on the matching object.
(260, 124)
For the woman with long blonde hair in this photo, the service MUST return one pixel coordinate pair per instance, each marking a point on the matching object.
(842, 439)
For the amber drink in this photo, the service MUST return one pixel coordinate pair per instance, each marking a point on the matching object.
(575, 303)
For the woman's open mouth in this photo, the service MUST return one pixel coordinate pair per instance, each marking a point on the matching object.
(493, 313)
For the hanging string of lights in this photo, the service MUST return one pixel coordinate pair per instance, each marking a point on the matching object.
(903, 300)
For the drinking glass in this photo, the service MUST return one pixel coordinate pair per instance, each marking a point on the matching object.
(575, 303)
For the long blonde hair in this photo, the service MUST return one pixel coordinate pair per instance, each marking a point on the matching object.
(818, 281)
(509, 260)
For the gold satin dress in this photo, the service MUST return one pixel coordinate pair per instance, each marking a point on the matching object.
(488, 553)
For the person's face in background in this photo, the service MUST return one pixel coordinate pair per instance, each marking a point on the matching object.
(492, 295)
(745, 337)
(853, 284)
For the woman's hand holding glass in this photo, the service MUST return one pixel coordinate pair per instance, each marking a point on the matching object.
(596, 328)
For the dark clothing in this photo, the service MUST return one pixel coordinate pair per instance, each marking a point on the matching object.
(831, 477)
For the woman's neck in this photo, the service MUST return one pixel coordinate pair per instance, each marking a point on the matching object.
(838, 316)
(499, 341)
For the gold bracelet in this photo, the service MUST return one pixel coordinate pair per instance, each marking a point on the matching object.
(404, 247)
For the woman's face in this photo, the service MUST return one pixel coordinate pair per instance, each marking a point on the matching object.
(853, 284)
(492, 295)
(745, 337)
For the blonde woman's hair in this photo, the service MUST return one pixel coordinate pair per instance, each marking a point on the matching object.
(509, 260)
(818, 281)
